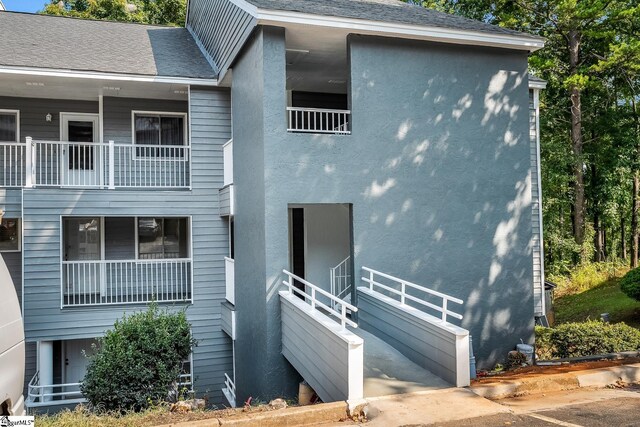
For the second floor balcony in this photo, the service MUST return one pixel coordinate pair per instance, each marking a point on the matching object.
(94, 165)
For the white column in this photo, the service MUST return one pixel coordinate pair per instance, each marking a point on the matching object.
(45, 367)
(112, 165)
(28, 183)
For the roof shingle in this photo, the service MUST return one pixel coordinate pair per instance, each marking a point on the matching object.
(385, 11)
(52, 42)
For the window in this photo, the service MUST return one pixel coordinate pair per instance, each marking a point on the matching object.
(9, 126)
(10, 235)
(155, 129)
(162, 238)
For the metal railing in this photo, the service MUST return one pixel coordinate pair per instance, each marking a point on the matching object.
(230, 281)
(94, 165)
(100, 282)
(229, 390)
(340, 277)
(318, 120)
(443, 309)
(54, 394)
(12, 159)
(312, 300)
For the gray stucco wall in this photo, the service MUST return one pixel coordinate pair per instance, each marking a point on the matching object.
(437, 169)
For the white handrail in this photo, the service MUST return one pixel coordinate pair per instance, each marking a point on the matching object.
(314, 302)
(318, 120)
(40, 393)
(340, 277)
(443, 309)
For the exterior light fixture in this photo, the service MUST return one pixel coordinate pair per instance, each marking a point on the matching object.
(49, 117)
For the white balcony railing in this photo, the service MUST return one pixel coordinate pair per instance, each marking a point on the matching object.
(230, 279)
(374, 279)
(86, 283)
(12, 159)
(94, 165)
(318, 120)
(56, 394)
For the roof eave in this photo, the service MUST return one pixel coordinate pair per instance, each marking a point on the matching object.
(393, 29)
(100, 75)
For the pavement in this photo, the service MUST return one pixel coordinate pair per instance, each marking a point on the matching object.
(389, 372)
(589, 398)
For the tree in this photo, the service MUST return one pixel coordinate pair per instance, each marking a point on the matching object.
(136, 362)
(157, 12)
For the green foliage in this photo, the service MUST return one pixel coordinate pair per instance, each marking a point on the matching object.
(586, 276)
(136, 363)
(157, 12)
(593, 338)
(544, 348)
(630, 284)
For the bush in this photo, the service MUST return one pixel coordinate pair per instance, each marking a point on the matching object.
(544, 346)
(630, 284)
(136, 363)
(593, 338)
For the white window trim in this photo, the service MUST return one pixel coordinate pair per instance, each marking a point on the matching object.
(19, 234)
(185, 142)
(17, 113)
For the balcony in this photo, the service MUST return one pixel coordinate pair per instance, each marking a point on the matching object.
(318, 120)
(101, 282)
(94, 165)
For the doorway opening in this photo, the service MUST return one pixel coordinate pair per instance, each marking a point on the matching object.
(321, 247)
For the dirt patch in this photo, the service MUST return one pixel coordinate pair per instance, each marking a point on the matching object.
(534, 371)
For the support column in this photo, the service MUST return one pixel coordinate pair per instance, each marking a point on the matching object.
(45, 368)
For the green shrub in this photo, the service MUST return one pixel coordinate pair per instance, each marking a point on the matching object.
(630, 284)
(136, 363)
(593, 338)
(544, 346)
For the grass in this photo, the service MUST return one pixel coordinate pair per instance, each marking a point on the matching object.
(603, 298)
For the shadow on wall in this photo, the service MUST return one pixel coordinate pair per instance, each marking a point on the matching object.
(442, 196)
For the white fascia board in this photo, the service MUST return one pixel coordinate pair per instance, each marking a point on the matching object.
(96, 75)
(444, 35)
(537, 85)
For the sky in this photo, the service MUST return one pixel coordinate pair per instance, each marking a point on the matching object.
(24, 5)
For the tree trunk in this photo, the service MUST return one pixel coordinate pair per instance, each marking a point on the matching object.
(597, 238)
(574, 40)
(623, 237)
(634, 220)
(634, 198)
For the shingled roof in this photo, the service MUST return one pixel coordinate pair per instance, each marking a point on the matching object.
(51, 42)
(385, 11)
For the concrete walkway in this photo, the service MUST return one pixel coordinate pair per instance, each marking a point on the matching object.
(388, 372)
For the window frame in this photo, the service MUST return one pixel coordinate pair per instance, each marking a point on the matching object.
(160, 114)
(163, 217)
(18, 233)
(17, 114)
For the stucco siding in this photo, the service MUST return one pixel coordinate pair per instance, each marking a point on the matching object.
(437, 168)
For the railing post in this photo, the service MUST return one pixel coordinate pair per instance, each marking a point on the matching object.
(444, 310)
(313, 298)
(403, 290)
(29, 162)
(290, 284)
(343, 313)
(370, 280)
(112, 166)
